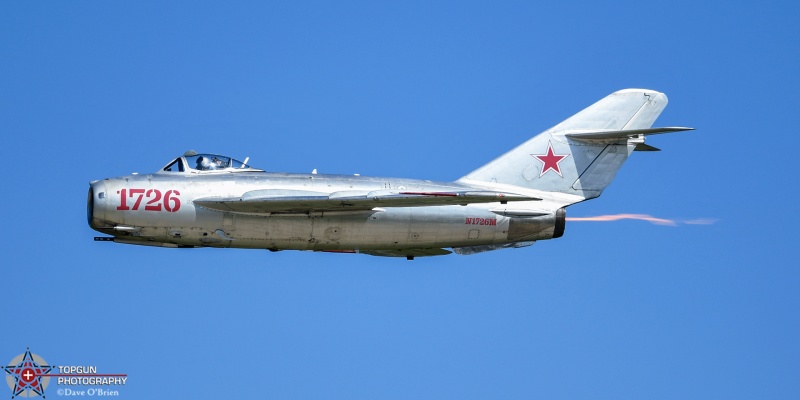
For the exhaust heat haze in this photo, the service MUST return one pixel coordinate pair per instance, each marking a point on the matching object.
(642, 217)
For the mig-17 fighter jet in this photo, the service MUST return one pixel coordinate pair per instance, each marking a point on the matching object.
(209, 200)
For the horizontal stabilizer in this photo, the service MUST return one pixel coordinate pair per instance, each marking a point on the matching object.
(622, 134)
(271, 201)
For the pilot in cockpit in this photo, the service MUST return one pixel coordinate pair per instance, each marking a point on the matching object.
(204, 164)
(207, 162)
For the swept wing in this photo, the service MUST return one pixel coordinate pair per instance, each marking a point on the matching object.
(271, 201)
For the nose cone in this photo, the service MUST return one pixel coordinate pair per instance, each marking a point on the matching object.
(96, 205)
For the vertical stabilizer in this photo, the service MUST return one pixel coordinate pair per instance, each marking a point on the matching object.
(581, 155)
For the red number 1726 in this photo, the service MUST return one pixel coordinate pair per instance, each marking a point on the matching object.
(170, 201)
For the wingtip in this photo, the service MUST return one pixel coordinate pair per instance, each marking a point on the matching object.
(638, 90)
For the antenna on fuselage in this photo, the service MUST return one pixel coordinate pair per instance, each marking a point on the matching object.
(246, 159)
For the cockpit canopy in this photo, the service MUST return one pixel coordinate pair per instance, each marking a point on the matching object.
(198, 163)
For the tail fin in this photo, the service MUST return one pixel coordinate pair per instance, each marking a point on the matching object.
(581, 155)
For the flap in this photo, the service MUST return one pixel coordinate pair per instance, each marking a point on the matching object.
(297, 201)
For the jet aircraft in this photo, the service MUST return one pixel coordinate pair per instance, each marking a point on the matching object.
(209, 200)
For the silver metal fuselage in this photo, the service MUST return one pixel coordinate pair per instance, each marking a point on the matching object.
(162, 213)
(208, 200)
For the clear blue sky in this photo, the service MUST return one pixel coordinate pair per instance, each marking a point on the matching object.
(94, 89)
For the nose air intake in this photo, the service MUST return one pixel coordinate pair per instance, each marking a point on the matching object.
(96, 206)
(90, 206)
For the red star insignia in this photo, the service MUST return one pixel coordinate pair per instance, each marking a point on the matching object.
(550, 160)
